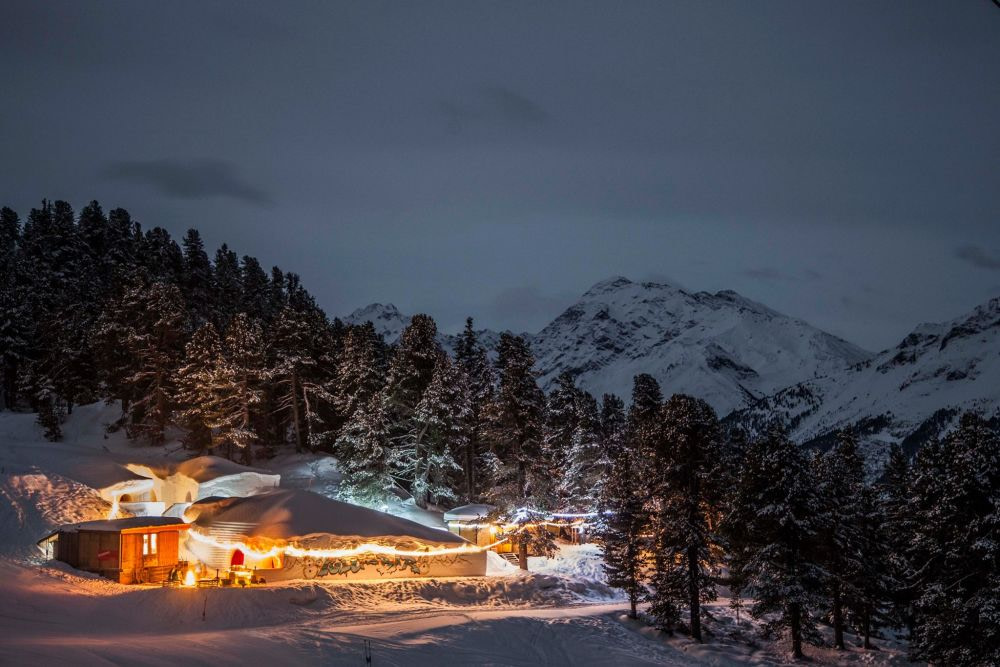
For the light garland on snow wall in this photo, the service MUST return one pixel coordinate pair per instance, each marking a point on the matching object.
(367, 548)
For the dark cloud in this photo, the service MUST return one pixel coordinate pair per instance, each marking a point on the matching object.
(768, 273)
(497, 105)
(189, 179)
(979, 256)
(528, 303)
(436, 154)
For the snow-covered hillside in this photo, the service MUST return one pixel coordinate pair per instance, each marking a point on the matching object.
(722, 347)
(904, 394)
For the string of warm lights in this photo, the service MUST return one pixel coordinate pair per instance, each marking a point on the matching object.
(350, 552)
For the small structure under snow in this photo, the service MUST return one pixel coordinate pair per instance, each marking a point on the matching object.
(173, 487)
(130, 551)
(292, 534)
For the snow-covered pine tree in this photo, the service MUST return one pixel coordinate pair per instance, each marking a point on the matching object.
(771, 528)
(197, 382)
(560, 425)
(586, 463)
(872, 584)
(155, 346)
(646, 401)
(162, 257)
(411, 370)
(240, 389)
(196, 284)
(623, 516)
(294, 371)
(471, 357)
(363, 454)
(227, 287)
(13, 344)
(360, 373)
(956, 495)
(686, 503)
(516, 418)
(255, 290)
(896, 509)
(442, 418)
(840, 477)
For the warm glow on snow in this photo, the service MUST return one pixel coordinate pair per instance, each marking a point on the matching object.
(189, 579)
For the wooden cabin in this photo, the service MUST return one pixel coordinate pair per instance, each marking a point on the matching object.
(137, 550)
(471, 523)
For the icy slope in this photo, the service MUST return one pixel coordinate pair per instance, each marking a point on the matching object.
(904, 394)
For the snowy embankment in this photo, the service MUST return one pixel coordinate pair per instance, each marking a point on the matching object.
(561, 613)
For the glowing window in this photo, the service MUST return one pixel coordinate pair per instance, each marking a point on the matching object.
(148, 544)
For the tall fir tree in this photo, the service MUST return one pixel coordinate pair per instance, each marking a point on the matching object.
(560, 425)
(480, 379)
(227, 286)
(256, 290)
(162, 257)
(771, 527)
(155, 347)
(443, 419)
(411, 371)
(840, 476)
(197, 383)
(896, 509)
(363, 454)
(360, 372)
(687, 500)
(197, 280)
(515, 431)
(13, 342)
(241, 394)
(956, 542)
(623, 518)
(585, 461)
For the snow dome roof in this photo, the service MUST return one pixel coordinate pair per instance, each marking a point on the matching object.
(304, 516)
(469, 512)
(205, 469)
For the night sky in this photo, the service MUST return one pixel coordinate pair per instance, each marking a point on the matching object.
(838, 161)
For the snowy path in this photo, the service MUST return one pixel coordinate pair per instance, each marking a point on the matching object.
(49, 614)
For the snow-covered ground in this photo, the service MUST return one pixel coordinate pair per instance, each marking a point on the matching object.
(561, 613)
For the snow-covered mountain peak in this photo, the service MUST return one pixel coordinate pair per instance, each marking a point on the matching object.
(723, 347)
(386, 317)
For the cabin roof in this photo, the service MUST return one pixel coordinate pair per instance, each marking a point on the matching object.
(118, 525)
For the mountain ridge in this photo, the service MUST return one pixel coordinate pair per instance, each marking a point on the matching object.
(723, 347)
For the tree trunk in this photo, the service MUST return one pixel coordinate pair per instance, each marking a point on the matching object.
(633, 602)
(522, 555)
(694, 596)
(868, 627)
(295, 415)
(838, 619)
(795, 623)
(470, 471)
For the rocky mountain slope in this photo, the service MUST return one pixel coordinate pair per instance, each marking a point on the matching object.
(905, 394)
(722, 347)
